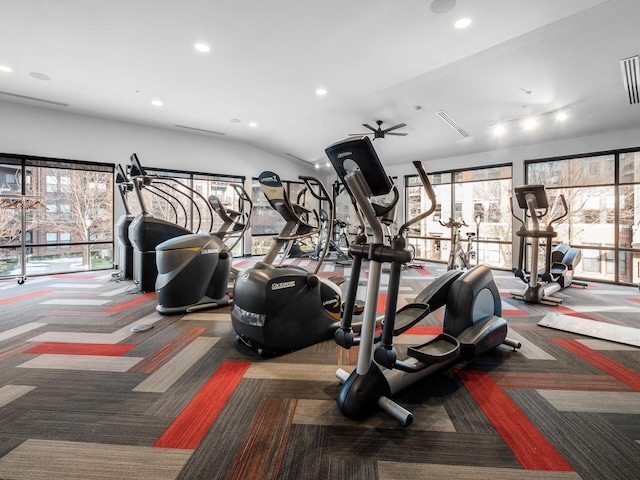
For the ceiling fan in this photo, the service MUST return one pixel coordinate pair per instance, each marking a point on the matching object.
(379, 132)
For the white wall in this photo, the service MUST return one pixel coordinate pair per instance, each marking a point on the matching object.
(29, 130)
(52, 133)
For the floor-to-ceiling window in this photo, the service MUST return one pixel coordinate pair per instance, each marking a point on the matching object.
(480, 197)
(55, 216)
(602, 193)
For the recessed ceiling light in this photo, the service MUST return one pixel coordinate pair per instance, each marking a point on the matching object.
(321, 91)
(529, 123)
(253, 124)
(202, 47)
(499, 129)
(39, 76)
(317, 165)
(4, 68)
(562, 115)
(462, 23)
(156, 103)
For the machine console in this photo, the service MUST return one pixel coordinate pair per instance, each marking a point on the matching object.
(538, 192)
(357, 153)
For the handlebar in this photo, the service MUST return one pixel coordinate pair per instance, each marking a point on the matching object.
(453, 224)
(430, 193)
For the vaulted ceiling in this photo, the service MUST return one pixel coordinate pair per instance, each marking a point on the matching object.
(395, 61)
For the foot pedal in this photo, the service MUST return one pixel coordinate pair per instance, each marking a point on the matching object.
(440, 349)
(338, 280)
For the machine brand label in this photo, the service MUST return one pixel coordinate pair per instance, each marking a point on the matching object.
(205, 251)
(345, 154)
(332, 301)
(281, 285)
(273, 179)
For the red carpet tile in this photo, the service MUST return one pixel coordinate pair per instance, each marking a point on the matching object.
(421, 271)
(424, 330)
(61, 348)
(188, 429)
(567, 311)
(633, 299)
(136, 301)
(382, 302)
(265, 442)
(167, 351)
(514, 313)
(622, 373)
(25, 296)
(530, 447)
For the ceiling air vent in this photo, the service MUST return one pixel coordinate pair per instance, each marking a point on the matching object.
(200, 130)
(630, 73)
(34, 99)
(452, 123)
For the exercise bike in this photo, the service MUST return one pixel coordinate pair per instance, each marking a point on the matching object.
(336, 246)
(559, 262)
(279, 309)
(472, 322)
(459, 258)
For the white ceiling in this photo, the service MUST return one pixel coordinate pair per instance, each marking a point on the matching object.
(393, 60)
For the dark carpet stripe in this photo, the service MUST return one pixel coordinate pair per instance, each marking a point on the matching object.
(266, 440)
(105, 350)
(13, 350)
(136, 301)
(605, 364)
(25, 296)
(531, 448)
(218, 449)
(167, 351)
(188, 429)
(594, 447)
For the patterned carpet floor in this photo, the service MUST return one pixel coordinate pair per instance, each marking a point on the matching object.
(83, 397)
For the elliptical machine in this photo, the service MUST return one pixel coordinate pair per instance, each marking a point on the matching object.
(125, 252)
(146, 232)
(472, 322)
(279, 309)
(194, 269)
(560, 261)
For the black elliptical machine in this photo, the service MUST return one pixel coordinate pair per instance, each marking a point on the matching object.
(472, 321)
(194, 269)
(559, 261)
(279, 309)
(146, 232)
(125, 249)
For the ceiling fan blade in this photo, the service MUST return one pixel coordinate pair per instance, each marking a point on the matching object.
(369, 127)
(395, 133)
(400, 125)
(360, 134)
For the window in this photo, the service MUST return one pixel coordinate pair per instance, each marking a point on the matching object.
(604, 210)
(482, 193)
(59, 199)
